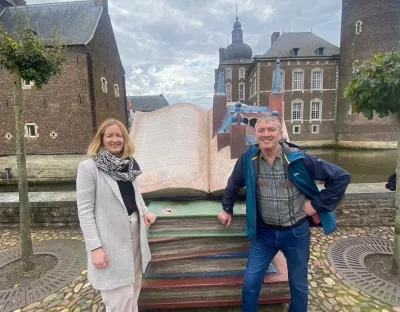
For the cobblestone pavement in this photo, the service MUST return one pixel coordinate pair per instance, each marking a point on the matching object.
(328, 291)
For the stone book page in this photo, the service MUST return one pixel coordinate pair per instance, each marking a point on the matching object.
(172, 148)
(221, 164)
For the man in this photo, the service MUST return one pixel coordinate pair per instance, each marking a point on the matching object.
(281, 197)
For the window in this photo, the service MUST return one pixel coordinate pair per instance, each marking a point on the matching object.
(27, 84)
(354, 66)
(315, 110)
(297, 110)
(228, 72)
(315, 129)
(296, 129)
(298, 79)
(31, 130)
(282, 79)
(316, 79)
(104, 84)
(242, 73)
(241, 91)
(251, 87)
(116, 90)
(228, 91)
(295, 51)
(254, 85)
(319, 51)
(359, 27)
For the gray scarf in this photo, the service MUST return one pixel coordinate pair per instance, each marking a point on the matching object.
(120, 169)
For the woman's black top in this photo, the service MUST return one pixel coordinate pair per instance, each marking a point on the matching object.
(128, 194)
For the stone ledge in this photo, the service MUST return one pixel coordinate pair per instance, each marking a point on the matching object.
(363, 205)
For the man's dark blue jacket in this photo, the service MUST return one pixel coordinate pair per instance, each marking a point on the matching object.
(303, 170)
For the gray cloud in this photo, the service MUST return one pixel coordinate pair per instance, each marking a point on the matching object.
(171, 46)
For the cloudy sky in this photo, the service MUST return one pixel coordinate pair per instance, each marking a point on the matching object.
(171, 46)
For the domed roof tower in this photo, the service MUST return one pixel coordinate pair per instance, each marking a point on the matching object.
(237, 49)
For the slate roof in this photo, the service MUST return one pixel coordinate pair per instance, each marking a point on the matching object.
(74, 23)
(153, 102)
(307, 42)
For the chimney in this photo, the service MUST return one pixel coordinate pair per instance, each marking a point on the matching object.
(221, 55)
(19, 2)
(103, 3)
(274, 36)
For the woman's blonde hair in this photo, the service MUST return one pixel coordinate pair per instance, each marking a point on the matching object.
(97, 141)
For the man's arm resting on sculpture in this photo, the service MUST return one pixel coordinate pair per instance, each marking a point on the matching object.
(235, 183)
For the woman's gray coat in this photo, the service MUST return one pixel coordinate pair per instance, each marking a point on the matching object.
(104, 222)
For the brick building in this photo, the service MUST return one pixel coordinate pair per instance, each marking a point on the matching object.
(62, 117)
(315, 73)
(368, 27)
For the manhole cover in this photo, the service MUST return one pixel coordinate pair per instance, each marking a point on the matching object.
(347, 255)
(71, 261)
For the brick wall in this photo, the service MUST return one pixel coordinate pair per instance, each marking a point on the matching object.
(72, 105)
(380, 33)
(106, 63)
(60, 107)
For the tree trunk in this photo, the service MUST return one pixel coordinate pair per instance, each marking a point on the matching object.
(396, 249)
(24, 211)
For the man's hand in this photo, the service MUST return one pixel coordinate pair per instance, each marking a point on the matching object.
(149, 218)
(99, 258)
(308, 208)
(225, 218)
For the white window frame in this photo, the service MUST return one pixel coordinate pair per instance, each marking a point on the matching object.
(295, 71)
(282, 79)
(319, 101)
(27, 86)
(359, 27)
(254, 84)
(321, 82)
(242, 73)
(28, 133)
(116, 90)
(312, 128)
(301, 102)
(296, 127)
(228, 70)
(228, 91)
(243, 91)
(104, 84)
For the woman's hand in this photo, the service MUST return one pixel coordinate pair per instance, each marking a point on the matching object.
(149, 218)
(99, 258)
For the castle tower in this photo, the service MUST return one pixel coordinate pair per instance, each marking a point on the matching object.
(368, 27)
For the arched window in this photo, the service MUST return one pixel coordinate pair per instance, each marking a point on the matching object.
(359, 27)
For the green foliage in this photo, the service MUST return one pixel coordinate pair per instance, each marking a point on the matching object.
(375, 86)
(28, 52)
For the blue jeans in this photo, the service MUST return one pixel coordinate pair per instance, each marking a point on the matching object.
(295, 245)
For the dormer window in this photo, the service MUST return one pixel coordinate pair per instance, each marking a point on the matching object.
(295, 51)
(319, 51)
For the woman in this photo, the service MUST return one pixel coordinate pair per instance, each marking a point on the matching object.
(113, 217)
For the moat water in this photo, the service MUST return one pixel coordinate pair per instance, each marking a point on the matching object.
(365, 166)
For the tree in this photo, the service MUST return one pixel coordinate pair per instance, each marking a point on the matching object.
(27, 58)
(375, 88)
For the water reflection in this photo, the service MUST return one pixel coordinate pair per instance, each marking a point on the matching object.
(365, 166)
